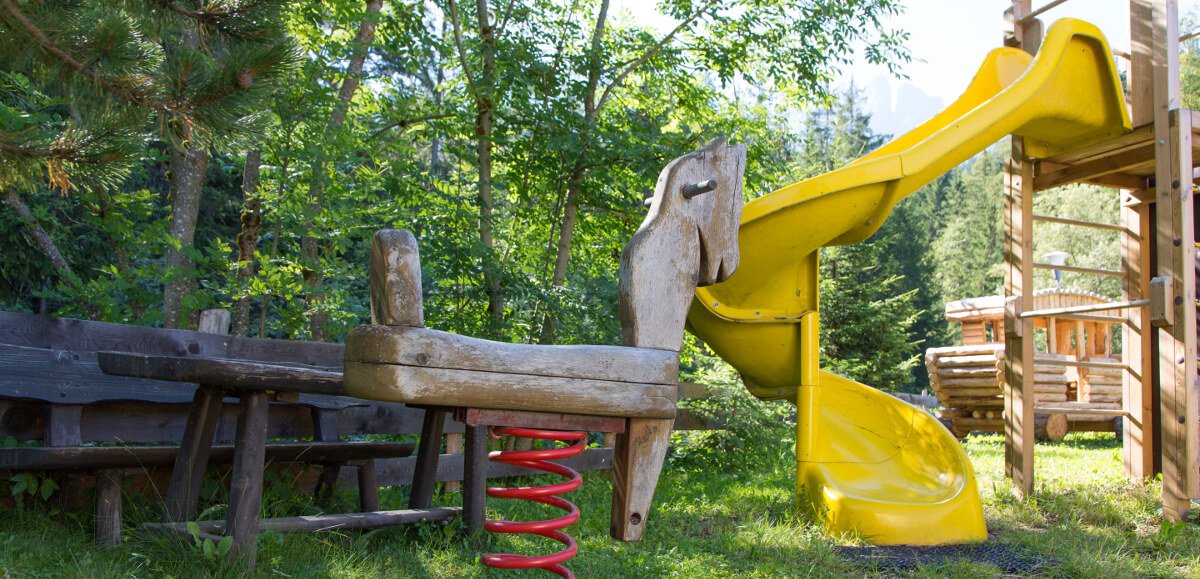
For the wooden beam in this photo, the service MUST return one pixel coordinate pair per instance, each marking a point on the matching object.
(1018, 284)
(1138, 448)
(1094, 169)
(1076, 269)
(1175, 241)
(308, 524)
(1078, 223)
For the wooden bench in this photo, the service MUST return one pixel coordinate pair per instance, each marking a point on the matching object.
(53, 390)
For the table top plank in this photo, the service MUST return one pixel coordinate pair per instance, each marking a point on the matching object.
(224, 372)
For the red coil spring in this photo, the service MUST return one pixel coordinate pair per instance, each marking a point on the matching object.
(537, 459)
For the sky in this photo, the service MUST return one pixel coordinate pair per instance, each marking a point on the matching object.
(948, 40)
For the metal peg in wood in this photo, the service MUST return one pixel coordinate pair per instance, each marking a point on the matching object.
(648, 201)
(693, 189)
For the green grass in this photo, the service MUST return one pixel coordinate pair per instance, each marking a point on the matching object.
(714, 517)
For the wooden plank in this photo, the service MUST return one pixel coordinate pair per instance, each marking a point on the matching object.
(214, 321)
(686, 419)
(395, 269)
(312, 523)
(1142, 135)
(1175, 242)
(545, 420)
(98, 457)
(421, 347)
(87, 336)
(368, 486)
(450, 467)
(472, 389)
(224, 372)
(1091, 169)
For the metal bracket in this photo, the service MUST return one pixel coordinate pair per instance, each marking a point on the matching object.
(1162, 305)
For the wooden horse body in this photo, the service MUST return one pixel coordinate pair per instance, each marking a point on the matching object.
(688, 238)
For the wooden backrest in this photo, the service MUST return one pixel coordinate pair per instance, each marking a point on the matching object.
(688, 239)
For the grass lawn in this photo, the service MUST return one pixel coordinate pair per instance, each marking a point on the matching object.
(713, 518)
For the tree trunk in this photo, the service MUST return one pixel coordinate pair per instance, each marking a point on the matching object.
(189, 162)
(484, 124)
(313, 278)
(40, 236)
(247, 239)
(566, 230)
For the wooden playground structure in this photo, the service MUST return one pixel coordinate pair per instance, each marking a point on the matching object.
(969, 379)
(1153, 166)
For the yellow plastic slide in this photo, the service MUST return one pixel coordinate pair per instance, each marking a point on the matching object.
(867, 462)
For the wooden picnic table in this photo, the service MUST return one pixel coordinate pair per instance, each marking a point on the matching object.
(255, 384)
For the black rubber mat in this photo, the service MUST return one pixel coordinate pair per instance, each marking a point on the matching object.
(1008, 558)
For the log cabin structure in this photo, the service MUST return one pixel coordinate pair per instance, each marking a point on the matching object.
(1153, 167)
(969, 379)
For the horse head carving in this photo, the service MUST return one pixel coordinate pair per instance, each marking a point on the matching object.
(688, 239)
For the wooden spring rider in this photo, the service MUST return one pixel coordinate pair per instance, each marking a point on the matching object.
(688, 239)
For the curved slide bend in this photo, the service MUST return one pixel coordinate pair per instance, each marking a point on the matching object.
(870, 463)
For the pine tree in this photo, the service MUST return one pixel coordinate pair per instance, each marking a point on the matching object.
(98, 79)
(867, 315)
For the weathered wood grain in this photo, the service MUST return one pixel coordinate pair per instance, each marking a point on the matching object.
(97, 457)
(214, 321)
(87, 336)
(437, 349)
(469, 388)
(224, 372)
(637, 462)
(395, 266)
(246, 481)
(682, 243)
(183, 492)
(108, 507)
(421, 494)
(311, 523)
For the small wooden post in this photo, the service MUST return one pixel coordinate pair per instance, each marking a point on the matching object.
(368, 486)
(108, 506)
(62, 425)
(454, 445)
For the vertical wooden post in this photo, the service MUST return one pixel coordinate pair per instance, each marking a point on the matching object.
(454, 445)
(62, 425)
(428, 451)
(475, 470)
(108, 506)
(1136, 335)
(246, 480)
(183, 492)
(1018, 283)
(1175, 240)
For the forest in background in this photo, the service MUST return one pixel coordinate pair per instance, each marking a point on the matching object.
(162, 157)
